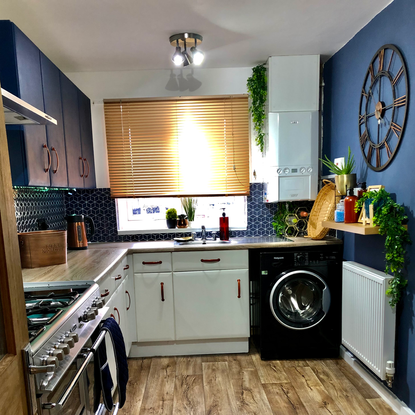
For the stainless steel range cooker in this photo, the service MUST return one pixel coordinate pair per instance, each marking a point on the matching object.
(62, 320)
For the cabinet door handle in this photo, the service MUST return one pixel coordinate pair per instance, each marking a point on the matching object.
(87, 165)
(162, 291)
(106, 293)
(119, 317)
(118, 277)
(152, 263)
(49, 158)
(126, 267)
(129, 300)
(210, 260)
(83, 166)
(239, 288)
(57, 160)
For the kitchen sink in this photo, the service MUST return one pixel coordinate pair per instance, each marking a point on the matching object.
(208, 242)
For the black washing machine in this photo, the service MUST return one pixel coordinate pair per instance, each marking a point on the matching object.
(296, 302)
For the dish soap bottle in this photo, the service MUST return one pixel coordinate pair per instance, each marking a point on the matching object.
(350, 216)
(224, 227)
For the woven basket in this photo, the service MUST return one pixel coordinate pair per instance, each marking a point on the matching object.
(323, 209)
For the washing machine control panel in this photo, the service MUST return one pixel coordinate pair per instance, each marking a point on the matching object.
(312, 258)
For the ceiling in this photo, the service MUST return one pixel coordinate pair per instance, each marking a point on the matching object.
(120, 35)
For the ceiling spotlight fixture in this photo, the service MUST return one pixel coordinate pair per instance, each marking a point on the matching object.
(181, 40)
(178, 57)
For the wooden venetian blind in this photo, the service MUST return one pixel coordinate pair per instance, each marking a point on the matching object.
(184, 147)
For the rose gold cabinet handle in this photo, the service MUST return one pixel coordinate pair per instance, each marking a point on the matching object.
(239, 288)
(126, 267)
(129, 300)
(162, 291)
(83, 166)
(152, 263)
(106, 293)
(210, 260)
(57, 160)
(49, 158)
(118, 277)
(119, 317)
(87, 165)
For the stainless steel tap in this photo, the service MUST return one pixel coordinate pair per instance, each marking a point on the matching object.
(203, 235)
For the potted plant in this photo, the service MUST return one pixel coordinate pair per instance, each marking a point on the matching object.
(189, 206)
(391, 218)
(345, 178)
(171, 218)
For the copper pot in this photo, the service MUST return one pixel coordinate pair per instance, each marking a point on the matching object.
(182, 221)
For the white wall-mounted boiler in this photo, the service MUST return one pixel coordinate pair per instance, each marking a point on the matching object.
(292, 156)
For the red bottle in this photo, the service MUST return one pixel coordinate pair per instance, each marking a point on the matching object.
(350, 216)
(224, 227)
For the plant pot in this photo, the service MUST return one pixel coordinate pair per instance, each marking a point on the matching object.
(171, 223)
(344, 182)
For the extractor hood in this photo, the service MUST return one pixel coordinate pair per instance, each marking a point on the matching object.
(16, 111)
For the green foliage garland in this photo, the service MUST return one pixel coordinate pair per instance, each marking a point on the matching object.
(390, 217)
(278, 222)
(257, 88)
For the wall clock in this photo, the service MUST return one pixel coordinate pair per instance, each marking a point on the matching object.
(383, 107)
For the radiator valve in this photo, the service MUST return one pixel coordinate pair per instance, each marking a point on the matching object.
(390, 372)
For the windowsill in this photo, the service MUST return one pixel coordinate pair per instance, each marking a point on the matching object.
(175, 230)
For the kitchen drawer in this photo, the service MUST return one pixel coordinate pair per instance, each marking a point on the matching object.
(152, 262)
(209, 260)
(107, 287)
(126, 266)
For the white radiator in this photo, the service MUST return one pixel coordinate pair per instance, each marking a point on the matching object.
(368, 321)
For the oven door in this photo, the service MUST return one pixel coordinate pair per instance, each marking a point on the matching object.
(74, 394)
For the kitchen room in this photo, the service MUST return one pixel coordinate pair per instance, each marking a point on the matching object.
(343, 75)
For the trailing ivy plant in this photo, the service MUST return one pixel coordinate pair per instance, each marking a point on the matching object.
(278, 221)
(390, 217)
(257, 88)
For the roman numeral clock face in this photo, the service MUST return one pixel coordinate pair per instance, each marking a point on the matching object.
(383, 107)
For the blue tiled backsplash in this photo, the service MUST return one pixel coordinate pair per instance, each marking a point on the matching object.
(54, 205)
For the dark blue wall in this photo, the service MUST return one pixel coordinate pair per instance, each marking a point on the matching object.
(343, 75)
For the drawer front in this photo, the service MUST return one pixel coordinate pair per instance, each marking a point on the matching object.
(209, 260)
(107, 287)
(152, 262)
(127, 266)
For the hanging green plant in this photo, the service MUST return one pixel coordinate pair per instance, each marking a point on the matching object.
(257, 88)
(390, 217)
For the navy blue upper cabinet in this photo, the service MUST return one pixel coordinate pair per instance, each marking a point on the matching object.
(55, 133)
(75, 162)
(86, 139)
(20, 74)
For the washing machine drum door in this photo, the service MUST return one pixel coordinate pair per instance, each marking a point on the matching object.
(300, 299)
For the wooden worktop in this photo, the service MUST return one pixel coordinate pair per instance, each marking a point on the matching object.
(93, 263)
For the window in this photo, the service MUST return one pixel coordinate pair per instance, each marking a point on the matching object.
(178, 147)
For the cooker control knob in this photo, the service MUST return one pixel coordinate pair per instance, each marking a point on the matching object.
(74, 336)
(98, 303)
(52, 360)
(58, 353)
(63, 346)
(69, 341)
(88, 316)
(95, 310)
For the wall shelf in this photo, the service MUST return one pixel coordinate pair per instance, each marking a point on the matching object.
(352, 227)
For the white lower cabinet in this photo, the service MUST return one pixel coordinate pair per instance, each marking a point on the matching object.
(108, 345)
(211, 304)
(154, 306)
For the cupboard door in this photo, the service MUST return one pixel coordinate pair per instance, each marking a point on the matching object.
(109, 348)
(130, 305)
(155, 317)
(54, 133)
(30, 90)
(86, 138)
(74, 160)
(211, 304)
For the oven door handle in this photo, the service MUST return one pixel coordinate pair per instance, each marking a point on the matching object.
(65, 396)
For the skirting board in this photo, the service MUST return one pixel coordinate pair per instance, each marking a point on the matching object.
(390, 398)
(185, 348)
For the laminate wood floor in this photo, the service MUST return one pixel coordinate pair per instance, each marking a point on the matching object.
(244, 384)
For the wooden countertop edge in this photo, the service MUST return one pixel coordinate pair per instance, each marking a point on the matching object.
(63, 272)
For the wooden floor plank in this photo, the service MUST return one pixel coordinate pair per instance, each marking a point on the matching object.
(189, 397)
(311, 392)
(270, 371)
(158, 396)
(188, 365)
(219, 395)
(293, 363)
(239, 362)
(380, 406)
(346, 396)
(214, 358)
(249, 394)
(138, 371)
(284, 400)
(359, 383)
